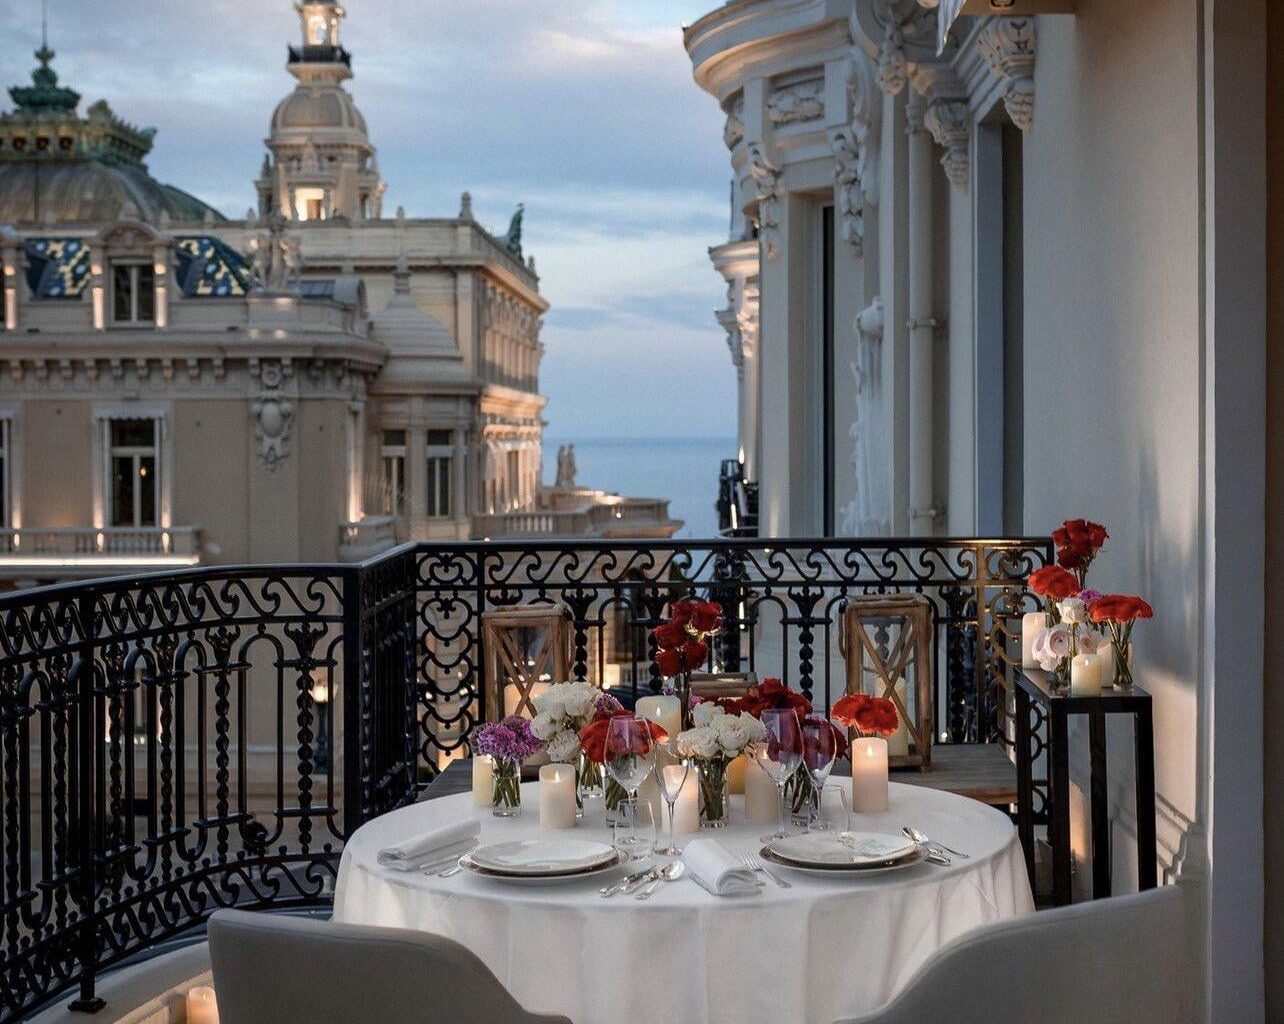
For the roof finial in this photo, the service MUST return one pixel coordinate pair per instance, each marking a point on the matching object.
(44, 24)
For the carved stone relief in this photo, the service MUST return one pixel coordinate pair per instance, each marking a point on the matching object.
(799, 101)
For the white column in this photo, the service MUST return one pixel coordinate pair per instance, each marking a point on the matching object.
(921, 322)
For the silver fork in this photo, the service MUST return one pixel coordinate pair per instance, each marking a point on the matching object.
(754, 864)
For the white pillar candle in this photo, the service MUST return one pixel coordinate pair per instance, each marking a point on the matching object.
(736, 775)
(1106, 662)
(686, 809)
(483, 791)
(512, 697)
(762, 799)
(869, 775)
(557, 796)
(898, 743)
(1085, 676)
(664, 711)
(202, 1007)
(1032, 624)
(649, 794)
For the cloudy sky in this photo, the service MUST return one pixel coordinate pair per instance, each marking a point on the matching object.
(583, 109)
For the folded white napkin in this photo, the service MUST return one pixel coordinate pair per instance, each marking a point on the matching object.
(436, 844)
(717, 869)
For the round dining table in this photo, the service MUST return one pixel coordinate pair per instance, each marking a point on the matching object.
(819, 951)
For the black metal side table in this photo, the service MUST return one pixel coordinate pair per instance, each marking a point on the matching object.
(1032, 688)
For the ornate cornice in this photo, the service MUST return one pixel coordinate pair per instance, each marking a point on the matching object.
(1008, 45)
(949, 122)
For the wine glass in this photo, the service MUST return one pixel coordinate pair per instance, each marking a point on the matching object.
(779, 756)
(820, 747)
(670, 778)
(628, 762)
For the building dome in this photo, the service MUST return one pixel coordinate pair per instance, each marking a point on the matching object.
(312, 107)
(420, 347)
(39, 192)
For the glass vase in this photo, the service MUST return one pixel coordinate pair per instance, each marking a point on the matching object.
(1123, 665)
(803, 798)
(614, 799)
(588, 784)
(713, 793)
(506, 787)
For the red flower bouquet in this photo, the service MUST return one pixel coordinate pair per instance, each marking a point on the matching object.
(1119, 612)
(1078, 541)
(682, 644)
(869, 716)
(770, 693)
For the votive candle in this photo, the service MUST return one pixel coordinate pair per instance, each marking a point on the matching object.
(869, 775)
(736, 774)
(762, 799)
(483, 790)
(557, 796)
(1032, 624)
(686, 809)
(202, 1006)
(1085, 676)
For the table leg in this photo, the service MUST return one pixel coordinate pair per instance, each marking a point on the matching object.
(1059, 798)
(1100, 806)
(1144, 752)
(1025, 780)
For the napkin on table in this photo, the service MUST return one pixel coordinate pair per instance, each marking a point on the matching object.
(717, 869)
(435, 844)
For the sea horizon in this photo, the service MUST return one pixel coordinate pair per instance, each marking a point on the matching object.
(683, 470)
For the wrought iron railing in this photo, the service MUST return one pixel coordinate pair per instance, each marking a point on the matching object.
(179, 742)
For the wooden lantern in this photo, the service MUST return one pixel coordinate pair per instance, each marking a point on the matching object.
(527, 650)
(717, 685)
(886, 641)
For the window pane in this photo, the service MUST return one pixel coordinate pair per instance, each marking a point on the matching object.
(4, 490)
(439, 439)
(146, 292)
(122, 491)
(122, 290)
(147, 490)
(394, 438)
(439, 487)
(133, 433)
(394, 475)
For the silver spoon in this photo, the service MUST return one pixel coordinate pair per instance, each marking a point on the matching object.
(669, 873)
(915, 836)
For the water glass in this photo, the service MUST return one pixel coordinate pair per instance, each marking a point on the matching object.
(820, 748)
(780, 754)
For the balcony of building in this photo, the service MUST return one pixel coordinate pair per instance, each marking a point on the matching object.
(84, 551)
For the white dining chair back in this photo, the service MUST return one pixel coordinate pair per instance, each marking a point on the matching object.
(269, 969)
(1125, 960)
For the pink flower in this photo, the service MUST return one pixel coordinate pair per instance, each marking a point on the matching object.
(1051, 646)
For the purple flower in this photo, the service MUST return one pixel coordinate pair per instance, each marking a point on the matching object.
(511, 739)
(693, 700)
(1089, 597)
(609, 704)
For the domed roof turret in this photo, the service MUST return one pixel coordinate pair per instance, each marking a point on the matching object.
(419, 345)
(311, 107)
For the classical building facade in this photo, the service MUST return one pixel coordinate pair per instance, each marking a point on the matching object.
(316, 381)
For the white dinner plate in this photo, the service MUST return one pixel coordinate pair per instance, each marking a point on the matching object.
(853, 850)
(849, 870)
(543, 856)
(466, 862)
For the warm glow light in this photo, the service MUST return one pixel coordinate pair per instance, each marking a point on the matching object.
(320, 691)
(76, 561)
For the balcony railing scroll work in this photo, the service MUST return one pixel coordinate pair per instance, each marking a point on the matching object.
(178, 742)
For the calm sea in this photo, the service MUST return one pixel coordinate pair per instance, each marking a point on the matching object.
(684, 470)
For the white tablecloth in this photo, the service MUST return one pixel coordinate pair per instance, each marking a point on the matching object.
(822, 950)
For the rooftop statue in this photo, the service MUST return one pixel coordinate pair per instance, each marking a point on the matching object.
(513, 240)
(566, 468)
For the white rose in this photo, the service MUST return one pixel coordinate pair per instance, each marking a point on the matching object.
(1052, 645)
(699, 742)
(732, 733)
(705, 712)
(754, 729)
(580, 700)
(544, 726)
(564, 747)
(551, 703)
(1073, 611)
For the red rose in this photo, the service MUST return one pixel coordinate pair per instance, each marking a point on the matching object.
(694, 654)
(673, 661)
(816, 745)
(1078, 541)
(1121, 608)
(874, 716)
(848, 708)
(669, 662)
(1055, 582)
(771, 693)
(680, 611)
(593, 736)
(706, 617)
(670, 634)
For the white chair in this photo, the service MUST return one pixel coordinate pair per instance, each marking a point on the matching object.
(1125, 960)
(269, 969)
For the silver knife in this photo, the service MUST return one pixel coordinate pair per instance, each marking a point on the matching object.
(614, 887)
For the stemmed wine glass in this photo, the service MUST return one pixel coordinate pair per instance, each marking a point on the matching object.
(670, 778)
(779, 756)
(820, 747)
(628, 762)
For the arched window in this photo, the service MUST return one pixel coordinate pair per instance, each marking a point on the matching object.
(319, 31)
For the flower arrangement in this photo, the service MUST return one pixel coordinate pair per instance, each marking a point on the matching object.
(770, 693)
(716, 737)
(1077, 614)
(682, 644)
(866, 715)
(1119, 612)
(507, 743)
(561, 712)
(593, 743)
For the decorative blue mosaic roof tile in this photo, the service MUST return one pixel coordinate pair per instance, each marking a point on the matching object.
(57, 268)
(207, 267)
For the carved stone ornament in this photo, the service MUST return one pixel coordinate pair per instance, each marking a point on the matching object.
(733, 132)
(1008, 45)
(893, 69)
(766, 177)
(848, 195)
(273, 417)
(800, 101)
(948, 120)
(869, 512)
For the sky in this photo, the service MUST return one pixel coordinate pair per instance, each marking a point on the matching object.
(585, 110)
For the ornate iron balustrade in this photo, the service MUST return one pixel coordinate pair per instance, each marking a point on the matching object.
(178, 742)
